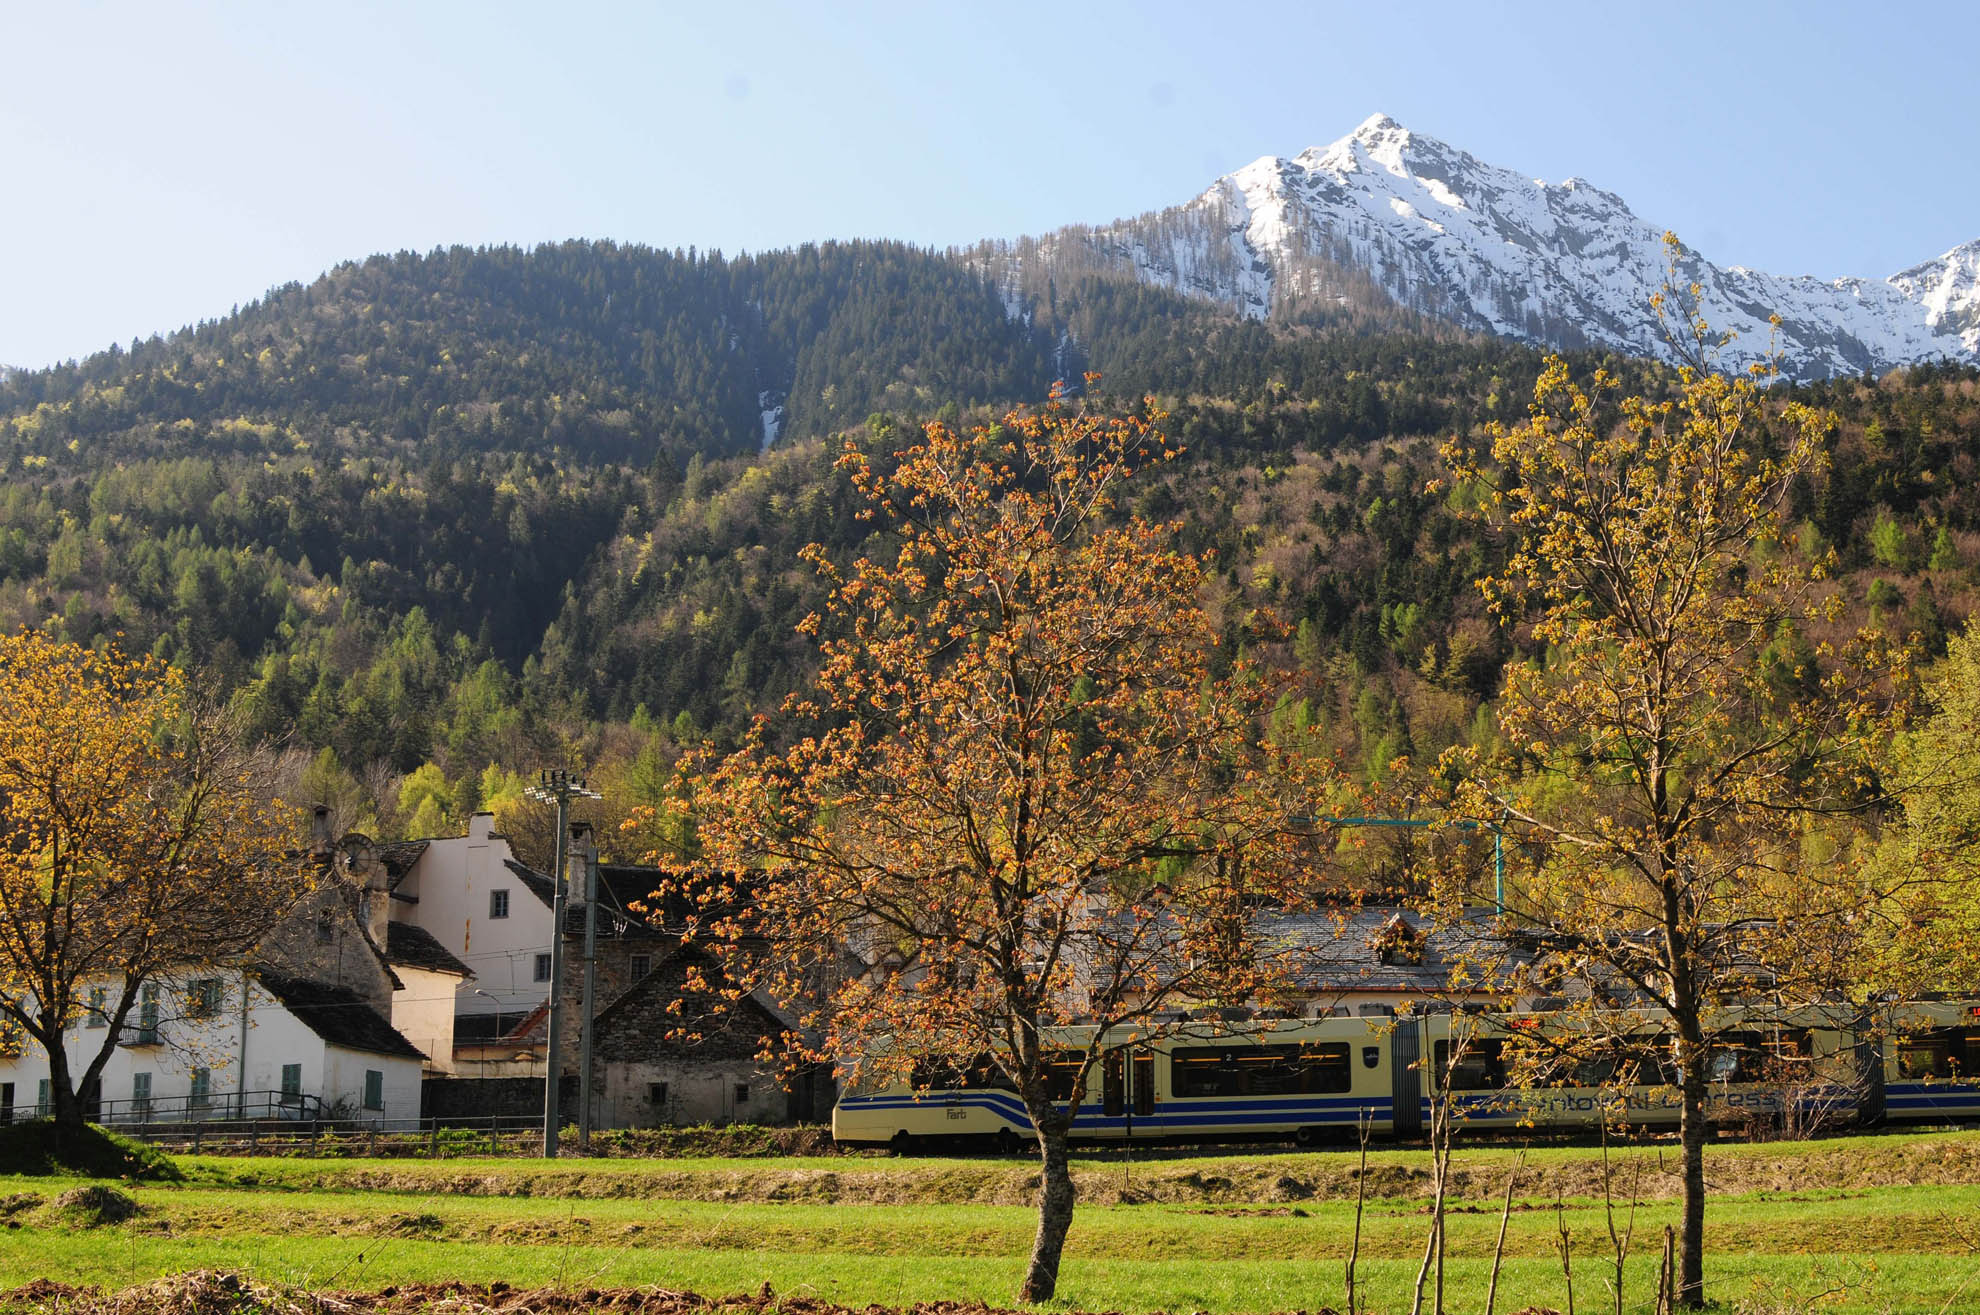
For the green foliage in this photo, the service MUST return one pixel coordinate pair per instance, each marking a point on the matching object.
(508, 508)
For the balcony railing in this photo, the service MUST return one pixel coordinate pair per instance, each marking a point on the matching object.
(213, 1106)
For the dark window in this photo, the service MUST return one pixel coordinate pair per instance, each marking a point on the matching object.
(1481, 1065)
(1736, 1057)
(742, 1093)
(640, 965)
(498, 903)
(656, 1093)
(979, 1074)
(6, 1102)
(326, 929)
(99, 1001)
(1259, 1070)
(206, 997)
(374, 1089)
(1944, 1053)
(1062, 1077)
(1113, 1084)
(542, 967)
(1144, 1084)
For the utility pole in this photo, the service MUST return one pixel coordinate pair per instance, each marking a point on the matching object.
(557, 786)
(587, 853)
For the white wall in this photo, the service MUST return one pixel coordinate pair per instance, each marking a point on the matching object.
(343, 1084)
(452, 881)
(423, 1011)
(274, 1037)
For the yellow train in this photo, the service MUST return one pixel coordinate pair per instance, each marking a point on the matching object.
(1311, 1081)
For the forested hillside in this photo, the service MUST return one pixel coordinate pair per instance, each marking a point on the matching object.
(437, 519)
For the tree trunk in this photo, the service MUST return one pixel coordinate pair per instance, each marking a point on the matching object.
(1055, 1212)
(1691, 1137)
(64, 1102)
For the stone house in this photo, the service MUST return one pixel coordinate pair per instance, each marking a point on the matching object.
(669, 1046)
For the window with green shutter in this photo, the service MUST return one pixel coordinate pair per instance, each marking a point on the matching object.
(374, 1089)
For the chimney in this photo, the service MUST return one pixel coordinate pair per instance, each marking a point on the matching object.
(480, 827)
(320, 841)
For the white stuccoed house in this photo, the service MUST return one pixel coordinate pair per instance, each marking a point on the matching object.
(234, 1045)
(310, 1028)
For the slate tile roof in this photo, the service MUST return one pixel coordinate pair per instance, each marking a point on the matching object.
(340, 1016)
(1343, 950)
(416, 947)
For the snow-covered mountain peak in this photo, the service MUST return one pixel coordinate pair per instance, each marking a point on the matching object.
(1949, 290)
(1566, 264)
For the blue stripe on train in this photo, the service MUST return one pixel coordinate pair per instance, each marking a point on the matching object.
(1173, 1113)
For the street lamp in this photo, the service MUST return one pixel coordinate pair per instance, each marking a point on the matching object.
(557, 786)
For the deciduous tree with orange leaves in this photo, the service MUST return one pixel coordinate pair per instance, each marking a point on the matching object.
(1696, 729)
(136, 838)
(1029, 787)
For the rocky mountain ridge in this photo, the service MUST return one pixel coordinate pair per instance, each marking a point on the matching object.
(1440, 233)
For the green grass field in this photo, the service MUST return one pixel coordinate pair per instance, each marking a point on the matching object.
(1889, 1223)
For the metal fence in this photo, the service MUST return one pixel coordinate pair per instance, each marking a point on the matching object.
(233, 1106)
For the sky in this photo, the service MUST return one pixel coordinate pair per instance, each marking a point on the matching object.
(163, 163)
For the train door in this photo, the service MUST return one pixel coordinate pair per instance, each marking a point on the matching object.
(1869, 1054)
(1127, 1086)
(1406, 1078)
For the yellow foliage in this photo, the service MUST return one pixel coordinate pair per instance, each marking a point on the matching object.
(139, 838)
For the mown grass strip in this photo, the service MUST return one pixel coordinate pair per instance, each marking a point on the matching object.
(1478, 1172)
(1237, 1287)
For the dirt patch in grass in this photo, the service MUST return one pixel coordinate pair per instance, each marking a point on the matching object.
(217, 1293)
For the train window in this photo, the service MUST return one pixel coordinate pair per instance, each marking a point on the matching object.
(979, 1074)
(1062, 1077)
(1371, 1056)
(1738, 1057)
(1113, 1082)
(1259, 1070)
(1481, 1065)
(1943, 1053)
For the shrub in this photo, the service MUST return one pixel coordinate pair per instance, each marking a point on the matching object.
(37, 1147)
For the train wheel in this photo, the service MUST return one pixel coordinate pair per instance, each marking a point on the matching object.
(1008, 1142)
(1309, 1136)
(902, 1144)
